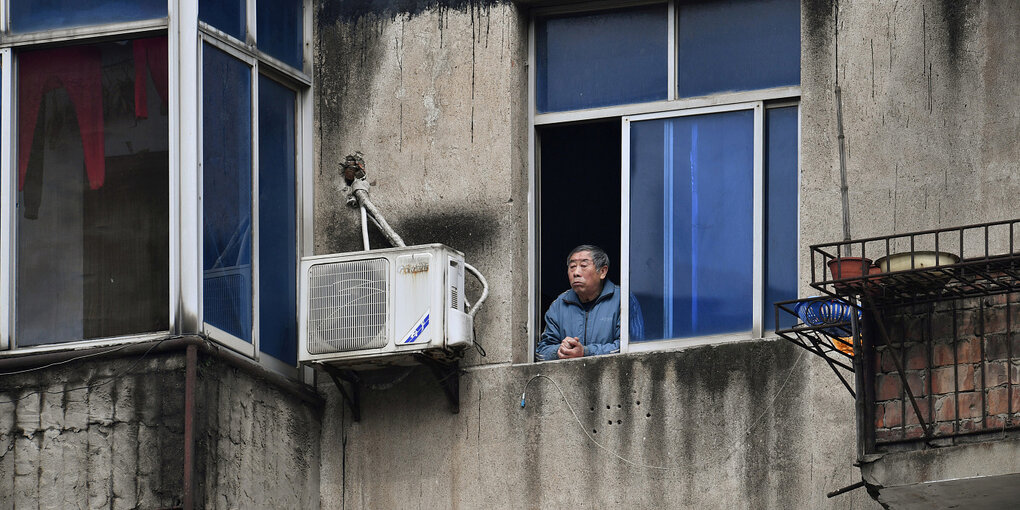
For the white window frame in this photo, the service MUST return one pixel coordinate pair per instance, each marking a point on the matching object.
(260, 63)
(8, 184)
(758, 291)
(757, 100)
(185, 37)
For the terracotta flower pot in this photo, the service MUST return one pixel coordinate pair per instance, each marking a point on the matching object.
(849, 267)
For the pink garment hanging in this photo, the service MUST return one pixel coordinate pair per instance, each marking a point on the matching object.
(150, 54)
(78, 69)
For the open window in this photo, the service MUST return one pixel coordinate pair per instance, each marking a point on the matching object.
(685, 172)
(710, 222)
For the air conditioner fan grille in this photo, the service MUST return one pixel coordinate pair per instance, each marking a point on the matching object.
(347, 306)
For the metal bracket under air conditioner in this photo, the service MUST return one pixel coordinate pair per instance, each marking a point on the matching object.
(447, 374)
(354, 399)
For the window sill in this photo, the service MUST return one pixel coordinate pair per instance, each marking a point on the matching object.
(22, 360)
(672, 345)
(678, 344)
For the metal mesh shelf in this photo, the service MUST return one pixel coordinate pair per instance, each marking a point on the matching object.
(824, 340)
(973, 260)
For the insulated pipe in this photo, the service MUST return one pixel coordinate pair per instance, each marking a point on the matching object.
(360, 191)
(390, 234)
(191, 360)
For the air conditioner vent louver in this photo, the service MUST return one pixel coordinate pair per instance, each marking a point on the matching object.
(347, 306)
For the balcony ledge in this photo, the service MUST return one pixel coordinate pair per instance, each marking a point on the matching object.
(972, 476)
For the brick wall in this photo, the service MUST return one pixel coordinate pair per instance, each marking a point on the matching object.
(961, 360)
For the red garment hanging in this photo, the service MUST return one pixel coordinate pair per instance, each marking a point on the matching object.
(78, 69)
(150, 54)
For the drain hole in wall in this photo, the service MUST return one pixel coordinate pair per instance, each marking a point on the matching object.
(619, 406)
(619, 422)
(648, 415)
(593, 408)
(608, 406)
(638, 402)
(594, 431)
(610, 422)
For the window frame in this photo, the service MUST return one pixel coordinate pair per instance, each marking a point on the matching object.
(760, 100)
(8, 154)
(185, 37)
(260, 64)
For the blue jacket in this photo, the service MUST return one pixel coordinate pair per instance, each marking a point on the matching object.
(598, 328)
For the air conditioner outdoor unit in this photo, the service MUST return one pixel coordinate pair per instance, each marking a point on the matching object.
(380, 306)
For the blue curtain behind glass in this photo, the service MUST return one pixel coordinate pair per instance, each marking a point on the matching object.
(277, 222)
(279, 29)
(226, 193)
(737, 45)
(780, 209)
(226, 15)
(32, 15)
(691, 225)
(601, 59)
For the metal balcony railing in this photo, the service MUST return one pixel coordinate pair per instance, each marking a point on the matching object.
(925, 266)
(936, 344)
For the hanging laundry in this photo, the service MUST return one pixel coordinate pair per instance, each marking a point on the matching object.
(150, 54)
(77, 69)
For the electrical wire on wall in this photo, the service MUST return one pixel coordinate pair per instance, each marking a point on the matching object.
(91, 386)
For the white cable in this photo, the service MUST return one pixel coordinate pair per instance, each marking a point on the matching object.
(485, 289)
(364, 228)
(583, 428)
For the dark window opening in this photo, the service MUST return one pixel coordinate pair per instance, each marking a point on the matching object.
(579, 199)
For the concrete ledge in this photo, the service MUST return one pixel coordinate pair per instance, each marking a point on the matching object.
(14, 363)
(973, 476)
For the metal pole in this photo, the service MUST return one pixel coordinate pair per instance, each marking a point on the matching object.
(843, 188)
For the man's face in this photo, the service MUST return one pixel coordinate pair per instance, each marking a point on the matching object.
(584, 278)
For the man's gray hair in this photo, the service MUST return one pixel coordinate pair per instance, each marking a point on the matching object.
(598, 255)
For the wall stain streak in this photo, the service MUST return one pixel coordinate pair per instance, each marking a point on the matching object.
(333, 11)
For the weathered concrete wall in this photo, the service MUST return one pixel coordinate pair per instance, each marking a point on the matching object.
(257, 446)
(931, 114)
(107, 434)
(748, 425)
(434, 95)
(110, 434)
(436, 100)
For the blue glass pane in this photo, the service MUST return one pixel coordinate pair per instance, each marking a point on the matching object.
(601, 59)
(691, 224)
(226, 15)
(226, 192)
(279, 29)
(277, 220)
(737, 45)
(92, 198)
(780, 209)
(32, 15)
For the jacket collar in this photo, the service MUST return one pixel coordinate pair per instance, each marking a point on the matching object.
(608, 288)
